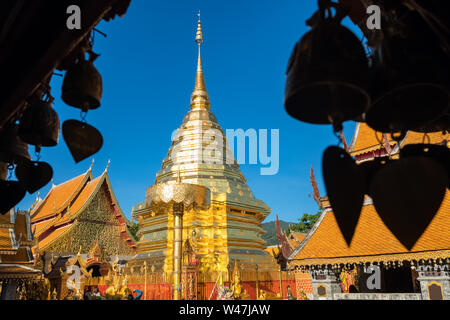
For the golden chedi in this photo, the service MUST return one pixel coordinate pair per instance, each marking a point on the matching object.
(229, 229)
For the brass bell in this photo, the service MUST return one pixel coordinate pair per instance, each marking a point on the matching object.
(34, 175)
(441, 124)
(410, 77)
(82, 139)
(12, 148)
(39, 125)
(345, 184)
(82, 86)
(392, 186)
(12, 193)
(327, 73)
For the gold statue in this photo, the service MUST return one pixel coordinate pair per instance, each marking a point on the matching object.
(54, 295)
(239, 293)
(303, 295)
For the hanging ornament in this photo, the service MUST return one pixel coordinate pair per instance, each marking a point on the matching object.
(12, 148)
(407, 193)
(327, 72)
(39, 125)
(82, 139)
(345, 185)
(410, 76)
(82, 88)
(439, 153)
(34, 175)
(441, 124)
(12, 192)
(370, 168)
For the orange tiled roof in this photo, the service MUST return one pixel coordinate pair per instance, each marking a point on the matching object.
(61, 217)
(71, 197)
(5, 218)
(269, 250)
(372, 240)
(15, 271)
(433, 138)
(59, 196)
(296, 238)
(5, 240)
(53, 235)
(81, 201)
(365, 139)
(22, 256)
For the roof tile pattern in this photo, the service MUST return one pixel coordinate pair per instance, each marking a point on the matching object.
(367, 139)
(57, 198)
(372, 238)
(57, 213)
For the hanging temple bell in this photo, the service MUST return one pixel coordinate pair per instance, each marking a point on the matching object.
(12, 151)
(82, 88)
(409, 78)
(327, 72)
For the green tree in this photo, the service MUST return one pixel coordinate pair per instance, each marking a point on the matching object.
(305, 223)
(134, 227)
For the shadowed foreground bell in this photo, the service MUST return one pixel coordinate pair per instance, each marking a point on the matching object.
(409, 79)
(12, 192)
(345, 184)
(327, 72)
(82, 88)
(82, 139)
(34, 175)
(407, 193)
(12, 148)
(422, 171)
(439, 153)
(39, 125)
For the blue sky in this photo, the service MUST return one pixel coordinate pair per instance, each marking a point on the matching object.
(148, 63)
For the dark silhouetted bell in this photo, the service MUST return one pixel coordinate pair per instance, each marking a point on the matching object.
(369, 170)
(410, 77)
(34, 175)
(439, 153)
(345, 185)
(441, 124)
(12, 148)
(327, 73)
(82, 139)
(407, 193)
(12, 192)
(39, 125)
(82, 86)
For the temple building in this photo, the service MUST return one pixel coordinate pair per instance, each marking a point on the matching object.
(230, 229)
(76, 217)
(344, 272)
(16, 258)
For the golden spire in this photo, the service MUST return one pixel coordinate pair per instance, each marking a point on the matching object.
(199, 98)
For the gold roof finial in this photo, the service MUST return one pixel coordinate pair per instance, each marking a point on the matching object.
(199, 98)
(92, 164)
(199, 36)
(107, 166)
